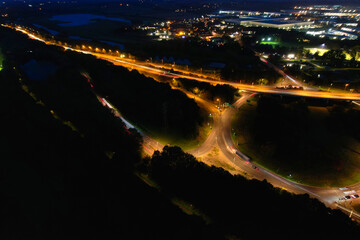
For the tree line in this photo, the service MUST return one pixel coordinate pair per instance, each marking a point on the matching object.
(225, 93)
(244, 208)
(59, 183)
(288, 136)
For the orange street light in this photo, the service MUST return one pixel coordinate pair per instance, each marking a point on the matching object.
(346, 85)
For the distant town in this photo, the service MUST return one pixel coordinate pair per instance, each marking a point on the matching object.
(179, 119)
(334, 22)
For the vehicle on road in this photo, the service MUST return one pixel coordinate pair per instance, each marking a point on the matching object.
(240, 154)
(243, 156)
(354, 196)
(350, 192)
(290, 87)
(347, 197)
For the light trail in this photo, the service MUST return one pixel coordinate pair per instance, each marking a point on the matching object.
(356, 103)
(150, 144)
(142, 66)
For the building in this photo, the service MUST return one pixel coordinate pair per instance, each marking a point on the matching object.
(280, 23)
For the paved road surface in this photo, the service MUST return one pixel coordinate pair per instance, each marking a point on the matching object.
(221, 133)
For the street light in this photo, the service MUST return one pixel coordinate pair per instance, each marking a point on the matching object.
(346, 85)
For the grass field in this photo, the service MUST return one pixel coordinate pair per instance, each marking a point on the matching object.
(343, 152)
(99, 30)
(270, 43)
(185, 144)
(1, 60)
(356, 206)
(322, 51)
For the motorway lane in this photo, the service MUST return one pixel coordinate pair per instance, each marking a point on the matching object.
(154, 69)
(254, 88)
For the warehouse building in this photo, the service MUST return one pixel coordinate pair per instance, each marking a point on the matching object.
(280, 23)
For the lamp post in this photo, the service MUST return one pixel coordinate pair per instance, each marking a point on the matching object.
(330, 86)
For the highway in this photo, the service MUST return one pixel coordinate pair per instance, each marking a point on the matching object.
(253, 88)
(221, 132)
(162, 70)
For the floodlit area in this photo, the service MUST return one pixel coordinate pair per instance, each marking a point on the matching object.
(195, 117)
(322, 51)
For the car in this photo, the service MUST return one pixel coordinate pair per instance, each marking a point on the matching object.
(350, 192)
(231, 149)
(354, 196)
(347, 197)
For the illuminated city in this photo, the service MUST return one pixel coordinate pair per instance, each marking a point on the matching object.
(180, 119)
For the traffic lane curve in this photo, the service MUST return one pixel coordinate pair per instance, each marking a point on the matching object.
(328, 195)
(210, 142)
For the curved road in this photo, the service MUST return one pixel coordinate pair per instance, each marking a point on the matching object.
(329, 196)
(221, 132)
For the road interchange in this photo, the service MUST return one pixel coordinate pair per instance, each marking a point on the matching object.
(220, 135)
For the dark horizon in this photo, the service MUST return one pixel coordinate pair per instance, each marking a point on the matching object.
(303, 2)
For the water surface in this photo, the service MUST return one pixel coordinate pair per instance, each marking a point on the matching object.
(39, 71)
(49, 30)
(122, 47)
(71, 20)
(79, 38)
